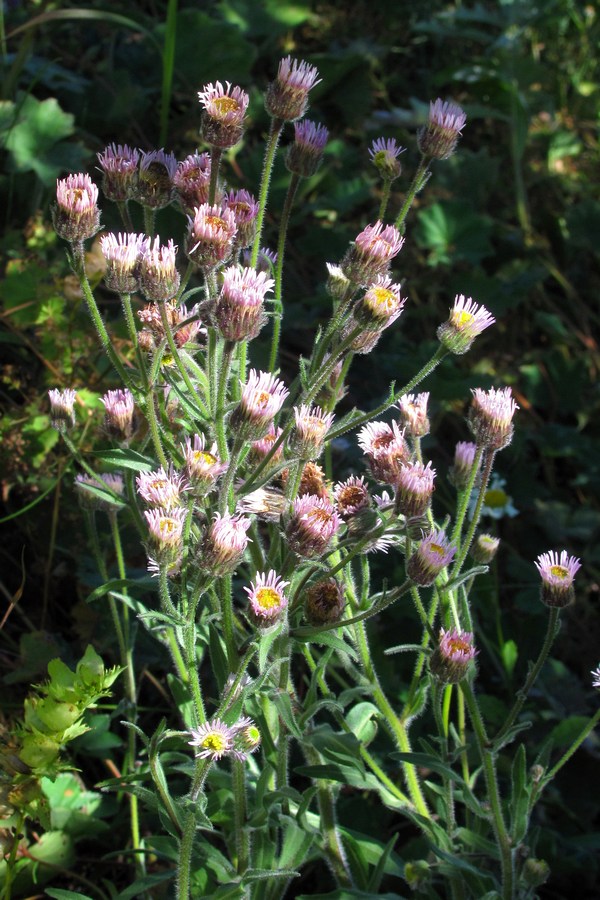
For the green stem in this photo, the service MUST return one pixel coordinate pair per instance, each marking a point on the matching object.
(271, 149)
(426, 370)
(489, 769)
(175, 351)
(278, 302)
(242, 835)
(186, 847)
(398, 729)
(192, 668)
(133, 337)
(216, 154)
(385, 198)
(466, 543)
(223, 380)
(418, 182)
(333, 848)
(225, 596)
(168, 64)
(12, 858)
(551, 632)
(153, 424)
(464, 497)
(587, 729)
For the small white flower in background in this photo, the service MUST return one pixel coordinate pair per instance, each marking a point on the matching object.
(497, 503)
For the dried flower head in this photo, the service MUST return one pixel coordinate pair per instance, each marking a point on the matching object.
(267, 598)
(224, 544)
(304, 156)
(308, 437)
(467, 320)
(413, 414)
(154, 185)
(287, 96)
(351, 496)
(223, 114)
(414, 488)
(385, 449)
(490, 417)
(451, 659)
(371, 253)
(119, 419)
(464, 457)
(210, 237)
(158, 275)
(384, 156)
(62, 412)
(324, 603)
(267, 503)
(432, 555)
(192, 181)
(240, 306)
(312, 525)
(122, 254)
(439, 137)
(558, 574)
(76, 216)
(119, 169)
(263, 396)
(213, 739)
(202, 467)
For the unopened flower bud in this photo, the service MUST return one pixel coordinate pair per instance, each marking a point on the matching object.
(464, 457)
(305, 154)
(484, 548)
(312, 525)
(224, 544)
(263, 396)
(119, 171)
(490, 417)
(535, 872)
(371, 253)
(122, 254)
(154, 186)
(119, 420)
(413, 414)
(414, 487)
(439, 137)
(384, 156)
(192, 181)
(312, 425)
(433, 554)
(62, 412)
(159, 278)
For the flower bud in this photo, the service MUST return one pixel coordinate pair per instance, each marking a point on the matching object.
(76, 216)
(119, 170)
(223, 115)
(305, 154)
(490, 417)
(384, 156)
(451, 659)
(439, 137)
(62, 412)
(287, 96)
(467, 319)
(433, 554)
(154, 185)
(324, 603)
(484, 548)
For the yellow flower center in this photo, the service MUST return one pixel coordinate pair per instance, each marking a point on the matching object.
(437, 548)
(216, 222)
(382, 297)
(457, 645)
(496, 498)
(262, 399)
(267, 598)
(214, 742)
(205, 457)
(319, 515)
(559, 572)
(462, 319)
(167, 526)
(158, 484)
(225, 104)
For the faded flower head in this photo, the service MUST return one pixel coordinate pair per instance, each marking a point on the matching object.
(224, 543)
(433, 554)
(122, 253)
(312, 425)
(213, 739)
(384, 155)
(305, 154)
(372, 253)
(385, 449)
(76, 216)
(202, 467)
(287, 96)
(558, 574)
(211, 232)
(119, 167)
(62, 412)
(240, 306)
(312, 525)
(467, 320)
(223, 114)
(414, 487)
(192, 181)
(381, 305)
(451, 659)
(119, 419)
(439, 137)
(263, 396)
(413, 413)
(267, 598)
(324, 603)
(158, 275)
(154, 186)
(490, 417)
(95, 493)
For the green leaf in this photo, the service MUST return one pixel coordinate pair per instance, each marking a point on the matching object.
(519, 800)
(61, 894)
(142, 885)
(452, 231)
(360, 720)
(509, 654)
(183, 699)
(568, 730)
(328, 639)
(126, 459)
(37, 127)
